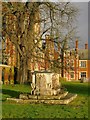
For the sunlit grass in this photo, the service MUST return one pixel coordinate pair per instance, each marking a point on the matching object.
(76, 109)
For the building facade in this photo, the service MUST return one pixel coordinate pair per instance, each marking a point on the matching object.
(75, 60)
(80, 64)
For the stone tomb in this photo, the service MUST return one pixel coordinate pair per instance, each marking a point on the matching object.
(47, 89)
(45, 83)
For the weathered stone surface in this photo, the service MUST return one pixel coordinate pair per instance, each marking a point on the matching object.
(52, 97)
(15, 100)
(32, 97)
(23, 96)
(42, 97)
(45, 89)
(64, 100)
(45, 83)
(55, 81)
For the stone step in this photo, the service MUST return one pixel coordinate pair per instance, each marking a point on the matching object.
(64, 100)
(43, 97)
(48, 97)
(68, 98)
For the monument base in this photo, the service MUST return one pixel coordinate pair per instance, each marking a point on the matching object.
(46, 88)
(63, 98)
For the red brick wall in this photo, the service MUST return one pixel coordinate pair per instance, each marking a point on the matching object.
(89, 69)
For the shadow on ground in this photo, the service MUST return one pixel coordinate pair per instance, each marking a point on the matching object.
(11, 93)
(81, 89)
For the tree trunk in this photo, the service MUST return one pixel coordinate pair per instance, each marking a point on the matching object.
(62, 63)
(23, 71)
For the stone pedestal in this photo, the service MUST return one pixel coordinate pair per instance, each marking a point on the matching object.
(45, 89)
(45, 83)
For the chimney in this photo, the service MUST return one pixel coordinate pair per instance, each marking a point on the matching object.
(76, 44)
(86, 46)
(76, 47)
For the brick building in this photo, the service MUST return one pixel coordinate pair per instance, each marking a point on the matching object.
(79, 68)
(8, 62)
(84, 63)
(75, 59)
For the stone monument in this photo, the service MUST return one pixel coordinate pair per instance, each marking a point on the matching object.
(45, 83)
(47, 89)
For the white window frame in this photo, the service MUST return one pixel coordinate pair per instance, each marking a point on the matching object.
(80, 74)
(82, 61)
(84, 74)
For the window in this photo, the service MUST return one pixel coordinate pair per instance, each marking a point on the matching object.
(83, 64)
(83, 74)
(72, 74)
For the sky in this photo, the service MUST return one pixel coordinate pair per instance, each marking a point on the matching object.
(89, 24)
(82, 22)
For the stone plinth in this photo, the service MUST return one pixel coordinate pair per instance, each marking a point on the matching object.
(65, 98)
(45, 83)
(45, 89)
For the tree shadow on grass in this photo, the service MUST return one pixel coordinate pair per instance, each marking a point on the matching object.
(78, 88)
(11, 93)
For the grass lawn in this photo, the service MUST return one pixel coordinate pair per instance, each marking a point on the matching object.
(76, 109)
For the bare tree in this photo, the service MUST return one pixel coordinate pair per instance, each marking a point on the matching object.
(26, 24)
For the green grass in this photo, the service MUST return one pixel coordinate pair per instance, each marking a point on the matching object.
(14, 90)
(76, 109)
(76, 87)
